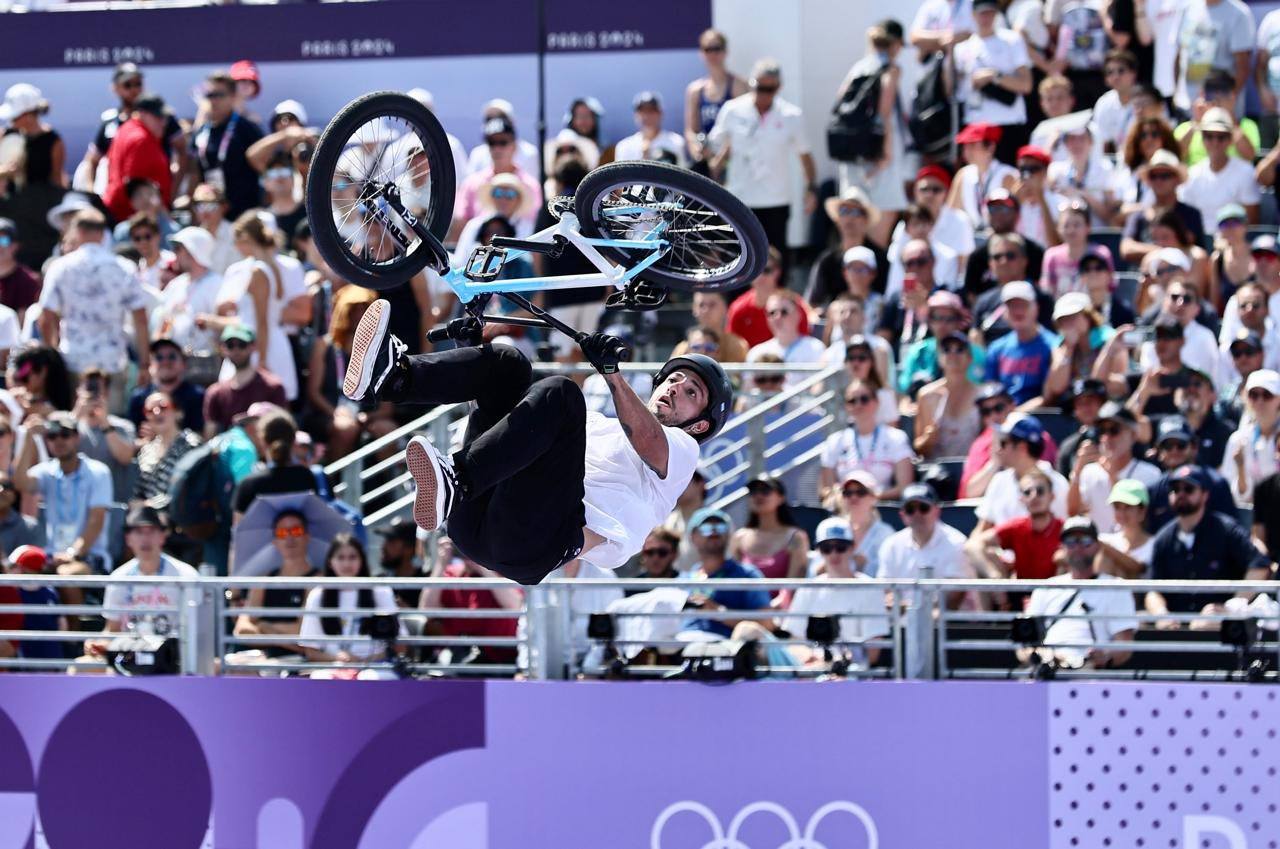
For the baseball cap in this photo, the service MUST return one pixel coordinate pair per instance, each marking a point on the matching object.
(238, 331)
(498, 126)
(919, 492)
(986, 4)
(60, 421)
(1264, 378)
(833, 528)
(28, 558)
(256, 410)
(1039, 154)
(705, 513)
(1229, 212)
(166, 342)
(1190, 474)
(143, 516)
(1002, 197)
(1245, 339)
(1264, 244)
(980, 131)
(1116, 412)
(245, 69)
(954, 336)
(1174, 257)
(1131, 492)
(124, 71)
(647, 98)
(861, 254)
(398, 528)
(1024, 427)
(934, 172)
(1079, 525)
(766, 481)
(1071, 304)
(1093, 258)
(1088, 386)
(865, 478)
(992, 389)
(291, 107)
(1018, 290)
(1173, 427)
(1216, 120)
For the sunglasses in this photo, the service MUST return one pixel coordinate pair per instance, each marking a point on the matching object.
(209, 206)
(1230, 222)
(709, 529)
(131, 83)
(1150, 134)
(278, 173)
(1237, 353)
(1260, 395)
(944, 317)
(930, 189)
(766, 89)
(1160, 175)
(1175, 445)
(235, 344)
(1077, 541)
(1216, 137)
(859, 400)
(499, 142)
(917, 262)
(915, 507)
(216, 95)
(1115, 70)
(1033, 491)
(1183, 488)
(1109, 430)
(1180, 298)
(1093, 269)
(1003, 256)
(834, 547)
(504, 194)
(854, 492)
(655, 552)
(1028, 170)
(858, 358)
(713, 48)
(992, 409)
(60, 433)
(852, 212)
(6, 241)
(954, 349)
(295, 532)
(769, 380)
(704, 347)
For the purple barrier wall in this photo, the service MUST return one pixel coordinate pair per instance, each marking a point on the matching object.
(257, 764)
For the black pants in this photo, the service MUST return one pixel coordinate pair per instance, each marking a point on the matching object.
(774, 221)
(522, 463)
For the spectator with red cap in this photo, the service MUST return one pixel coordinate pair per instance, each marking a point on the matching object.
(982, 174)
(993, 75)
(1039, 204)
(137, 152)
(248, 86)
(951, 227)
(31, 560)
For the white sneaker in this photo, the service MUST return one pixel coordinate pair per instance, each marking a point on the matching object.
(374, 353)
(436, 482)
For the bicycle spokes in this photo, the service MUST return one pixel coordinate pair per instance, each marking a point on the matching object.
(701, 242)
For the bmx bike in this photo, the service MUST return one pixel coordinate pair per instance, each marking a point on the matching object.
(380, 198)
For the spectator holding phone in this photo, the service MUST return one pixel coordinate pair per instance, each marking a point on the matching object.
(1200, 346)
(1164, 373)
(1250, 452)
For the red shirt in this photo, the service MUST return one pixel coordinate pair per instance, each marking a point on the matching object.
(135, 153)
(749, 321)
(10, 621)
(19, 290)
(1032, 550)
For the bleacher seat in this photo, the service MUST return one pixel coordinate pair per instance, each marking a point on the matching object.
(907, 424)
(1127, 283)
(889, 513)
(1109, 237)
(808, 518)
(960, 515)
(1059, 424)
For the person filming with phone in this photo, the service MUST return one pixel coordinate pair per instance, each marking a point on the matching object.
(1163, 373)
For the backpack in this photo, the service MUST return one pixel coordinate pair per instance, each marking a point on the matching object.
(930, 123)
(856, 130)
(200, 494)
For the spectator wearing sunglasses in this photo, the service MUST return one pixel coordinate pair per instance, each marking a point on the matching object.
(1096, 473)
(291, 541)
(981, 273)
(658, 557)
(1008, 263)
(279, 185)
(904, 317)
(1031, 539)
(1083, 402)
(168, 374)
(1176, 445)
(711, 312)
(846, 322)
(208, 210)
(857, 506)
(1247, 354)
(925, 540)
(859, 234)
(1250, 451)
(994, 405)
(1200, 345)
(1219, 93)
(880, 449)
(501, 157)
(1221, 179)
(709, 529)
(945, 316)
(1018, 450)
(1248, 314)
(1155, 393)
(1040, 204)
(747, 315)
(158, 454)
(1231, 265)
(1199, 545)
(19, 285)
(947, 419)
(249, 384)
(1266, 511)
(1162, 175)
(1071, 630)
(220, 146)
(866, 359)
(940, 268)
(787, 341)
(951, 227)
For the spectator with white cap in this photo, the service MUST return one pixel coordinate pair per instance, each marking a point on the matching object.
(858, 495)
(524, 154)
(190, 295)
(1085, 177)
(858, 273)
(460, 167)
(568, 143)
(925, 541)
(1087, 347)
(283, 201)
(287, 128)
(1020, 359)
(650, 141)
(1019, 448)
(1250, 454)
(43, 154)
(858, 224)
(1220, 179)
(1158, 268)
(1162, 174)
(1091, 482)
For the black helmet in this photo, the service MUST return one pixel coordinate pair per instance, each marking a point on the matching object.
(719, 389)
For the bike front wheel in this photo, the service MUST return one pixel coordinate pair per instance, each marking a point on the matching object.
(379, 143)
(716, 242)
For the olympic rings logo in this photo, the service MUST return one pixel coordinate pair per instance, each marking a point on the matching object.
(720, 839)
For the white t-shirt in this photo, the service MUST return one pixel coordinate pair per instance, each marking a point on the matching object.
(1049, 136)
(763, 149)
(1003, 51)
(974, 192)
(356, 644)
(1082, 40)
(902, 559)
(1097, 178)
(806, 349)
(624, 498)
(180, 302)
(1026, 17)
(1269, 43)
(1103, 600)
(1142, 553)
(826, 601)
(632, 147)
(145, 597)
(1164, 16)
(1112, 119)
(1031, 221)
(1259, 459)
(878, 452)
(1199, 350)
(10, 332)
(1208, 190)
(1003, 499)
(949, 15)
(1231, 318)
(1095, 489)
(1207, 38)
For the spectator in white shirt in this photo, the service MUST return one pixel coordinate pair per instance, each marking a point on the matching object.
(918, 227)
(1058, 103)
(993, 73)
(1040, 205)
(783, 316)
(1252, 311)
(1250, 454)
(951, 227)
(755, 136)
(1200, 347)
(1019, 444)
(1220, 179)
(481, 157)
(650, 141)
(1115, 110)
(882, 450)
(1092, 479)
(209, 210)
(924, 541)
(1070, 631)
(1085, 175)
(941, 25)
(191, 294)
(1212, 35)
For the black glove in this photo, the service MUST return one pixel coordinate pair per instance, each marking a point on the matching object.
(604, 352)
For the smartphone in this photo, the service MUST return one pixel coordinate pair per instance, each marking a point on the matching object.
(1134, 338)
(909, 283)
(1174, 381)
(93, 385)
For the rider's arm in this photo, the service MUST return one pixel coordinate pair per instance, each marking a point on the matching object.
(640, 426)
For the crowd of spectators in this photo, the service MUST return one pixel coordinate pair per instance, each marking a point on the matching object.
(1059, 324)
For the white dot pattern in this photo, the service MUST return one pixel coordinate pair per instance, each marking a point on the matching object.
(1128, 761)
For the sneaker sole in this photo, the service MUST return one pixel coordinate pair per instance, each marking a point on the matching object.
(369, 338)
(420, 457)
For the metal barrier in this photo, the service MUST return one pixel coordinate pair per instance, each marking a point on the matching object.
(925, 639)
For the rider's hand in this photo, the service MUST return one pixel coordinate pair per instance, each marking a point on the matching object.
(603, 351)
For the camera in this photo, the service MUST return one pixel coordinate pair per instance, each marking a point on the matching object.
(384, 626)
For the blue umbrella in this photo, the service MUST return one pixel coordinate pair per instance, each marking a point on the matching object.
(252, 539)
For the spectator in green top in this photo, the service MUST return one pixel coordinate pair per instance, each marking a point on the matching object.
(946, 315)
(1219, 90)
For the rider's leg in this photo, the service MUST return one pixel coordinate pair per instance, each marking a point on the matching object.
(523, 515)
(496, 377)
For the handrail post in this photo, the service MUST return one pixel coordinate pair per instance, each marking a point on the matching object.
(755, 447)
(196, 646)
(353, 486)
(919, 627)
(835, 404)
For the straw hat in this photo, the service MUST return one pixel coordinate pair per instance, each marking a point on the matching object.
(527, 205)
(853, 194)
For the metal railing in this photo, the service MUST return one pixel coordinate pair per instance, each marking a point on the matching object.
(552, 639)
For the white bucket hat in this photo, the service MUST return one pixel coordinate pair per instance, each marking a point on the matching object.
(21, 99)
(198, 242)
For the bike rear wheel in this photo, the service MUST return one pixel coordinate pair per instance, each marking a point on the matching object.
(716, 241)
(381, 140)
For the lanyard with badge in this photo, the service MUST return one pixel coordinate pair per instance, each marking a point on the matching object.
(857, 449)
(214, 176)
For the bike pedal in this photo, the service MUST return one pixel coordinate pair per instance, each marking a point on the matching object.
(485, 264)
(636, 297)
